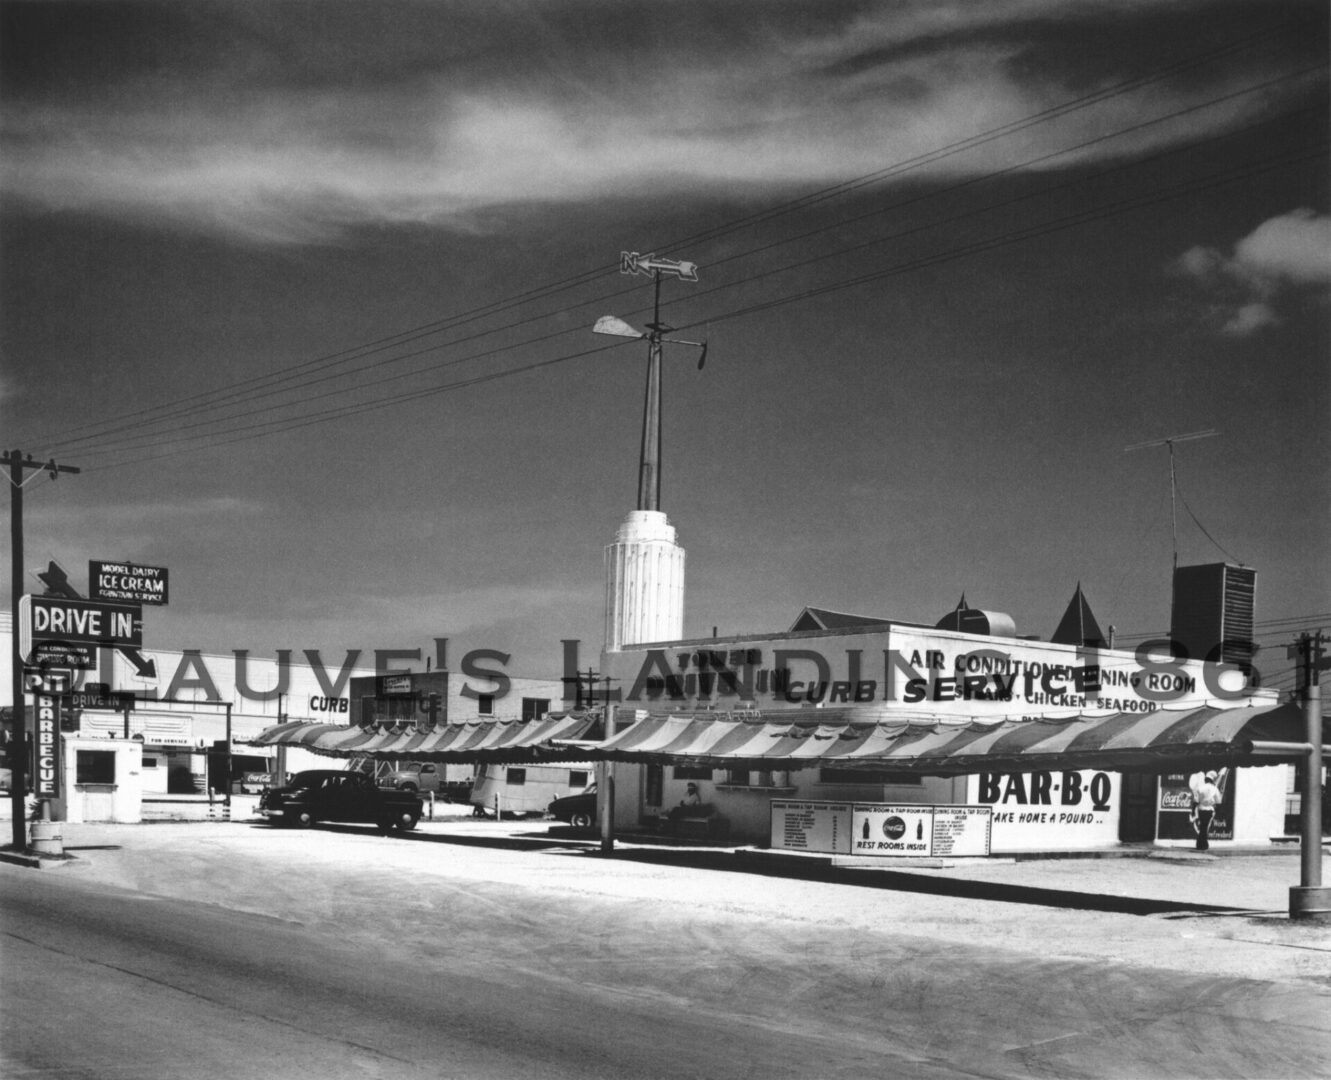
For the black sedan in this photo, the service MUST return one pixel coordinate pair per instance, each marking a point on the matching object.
(578, 810)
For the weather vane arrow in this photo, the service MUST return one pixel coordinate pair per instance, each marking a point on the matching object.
(630, 262)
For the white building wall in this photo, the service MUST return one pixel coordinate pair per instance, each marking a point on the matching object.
(1259, 804)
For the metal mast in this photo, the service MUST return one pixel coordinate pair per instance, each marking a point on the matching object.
(649, 460)
(1173, 498)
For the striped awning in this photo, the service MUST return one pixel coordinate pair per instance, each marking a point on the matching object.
(935, 746)
(482, 740)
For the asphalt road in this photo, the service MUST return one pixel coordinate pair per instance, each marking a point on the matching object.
(337, 954)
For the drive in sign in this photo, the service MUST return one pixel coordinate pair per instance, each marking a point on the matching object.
(87, 622)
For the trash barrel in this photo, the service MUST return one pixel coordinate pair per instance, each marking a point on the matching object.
(47, 839)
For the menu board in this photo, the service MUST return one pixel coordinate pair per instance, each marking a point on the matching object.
(962, 830)
(811, 826)
(881, 829)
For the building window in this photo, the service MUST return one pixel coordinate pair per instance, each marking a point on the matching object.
(517, 776)
(577, 778)
(869, 776)
(757, 778)
(533, 708)
(692, 772)
(388, 710)
(95, 767)
(485, 704)
(654, 785)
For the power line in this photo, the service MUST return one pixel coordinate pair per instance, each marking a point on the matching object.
(260, 392)
(405, 337)
(988, 244)
(548, 336)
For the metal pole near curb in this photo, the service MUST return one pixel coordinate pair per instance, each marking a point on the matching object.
(228, 760)
(1310, 899)
(605, 781)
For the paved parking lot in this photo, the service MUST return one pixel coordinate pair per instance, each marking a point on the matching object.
(1224, 914)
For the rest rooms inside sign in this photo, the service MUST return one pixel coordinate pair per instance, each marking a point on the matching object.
(921, 831)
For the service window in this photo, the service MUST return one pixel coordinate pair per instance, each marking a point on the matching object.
(691, 772)
(869, 776)
(517, 776)
(95, 767)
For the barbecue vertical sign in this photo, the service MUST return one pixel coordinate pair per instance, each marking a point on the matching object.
(46, 775)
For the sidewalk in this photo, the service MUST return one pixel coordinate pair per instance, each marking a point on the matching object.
(1137, 879)
(1132, 879)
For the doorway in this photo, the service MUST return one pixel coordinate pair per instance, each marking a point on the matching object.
(1136, 822)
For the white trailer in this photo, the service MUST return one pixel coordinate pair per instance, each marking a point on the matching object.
(528, 789)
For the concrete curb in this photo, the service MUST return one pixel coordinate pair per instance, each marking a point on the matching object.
(34, 862)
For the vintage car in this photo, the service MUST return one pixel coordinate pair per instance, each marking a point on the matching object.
(429, 778)
(329, 795)
(578, 810)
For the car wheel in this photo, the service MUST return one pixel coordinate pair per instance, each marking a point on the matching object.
(302, 819)
(406, 821)
(581, 820)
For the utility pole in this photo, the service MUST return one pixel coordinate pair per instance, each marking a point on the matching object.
(1309, 899)
(18, 464)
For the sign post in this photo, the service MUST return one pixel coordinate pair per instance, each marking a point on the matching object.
(67, 631)
(18, 465)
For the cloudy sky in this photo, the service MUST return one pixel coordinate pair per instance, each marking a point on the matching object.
(305, 290)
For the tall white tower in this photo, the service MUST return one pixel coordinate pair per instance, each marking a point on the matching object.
(644, 582)
(644, 567)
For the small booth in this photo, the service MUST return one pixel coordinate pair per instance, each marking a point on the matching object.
(103, 779)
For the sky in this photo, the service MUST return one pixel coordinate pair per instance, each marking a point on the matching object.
(305, 291)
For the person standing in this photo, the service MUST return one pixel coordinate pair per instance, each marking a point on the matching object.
(1207, 797)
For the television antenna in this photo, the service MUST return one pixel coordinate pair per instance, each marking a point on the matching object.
(1169, 441)
(649, 462)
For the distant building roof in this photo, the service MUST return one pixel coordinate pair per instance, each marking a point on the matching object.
(812, 618)
(1078, 625)
(969, 620)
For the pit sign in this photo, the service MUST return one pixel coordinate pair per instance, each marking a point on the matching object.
(127, 583)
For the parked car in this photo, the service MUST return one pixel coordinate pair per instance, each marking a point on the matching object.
(429, 777)
(578, 810)
(329, 795)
